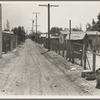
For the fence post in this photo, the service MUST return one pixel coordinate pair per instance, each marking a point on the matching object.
(94, 60)
(67, 50)
(59, 47)
(5, 46)
(10, 42)
(70, 50)
(82, 55)
(73, 53)
(63, 49)
(16, 40)
(85, 48)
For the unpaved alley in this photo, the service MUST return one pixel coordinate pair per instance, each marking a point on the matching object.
(31, 70)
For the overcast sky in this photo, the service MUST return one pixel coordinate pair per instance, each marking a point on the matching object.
(21, 13)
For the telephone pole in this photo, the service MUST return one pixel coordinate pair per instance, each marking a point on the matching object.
(32, 25)
(69, 40)
(49, 22)
(36, 20)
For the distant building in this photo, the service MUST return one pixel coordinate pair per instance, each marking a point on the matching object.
(43, 38)
(54, 41)
(63, 35)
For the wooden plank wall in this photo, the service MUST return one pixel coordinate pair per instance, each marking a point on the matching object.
(0, 31)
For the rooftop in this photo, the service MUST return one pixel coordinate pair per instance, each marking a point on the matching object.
(92, 32)
(76, 35)
(64, 32)
(8, 32)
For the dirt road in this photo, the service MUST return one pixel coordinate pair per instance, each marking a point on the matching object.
(30, 70)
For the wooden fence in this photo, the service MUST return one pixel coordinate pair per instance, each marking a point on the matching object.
(78, 52)
(0, 31)
(9, 42)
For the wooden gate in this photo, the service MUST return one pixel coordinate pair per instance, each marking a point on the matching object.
(77, 53)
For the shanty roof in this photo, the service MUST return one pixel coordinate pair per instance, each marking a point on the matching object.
(8, 32)
(92, 32)
(43, 35)
(76, 35)
(64, 32)
(52, 36)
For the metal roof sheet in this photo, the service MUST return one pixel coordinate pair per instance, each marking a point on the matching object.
(43, 35)
(64, 32)
(77, 35)
(8, 32)
(92, 32)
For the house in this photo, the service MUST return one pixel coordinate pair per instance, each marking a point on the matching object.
(93, 38)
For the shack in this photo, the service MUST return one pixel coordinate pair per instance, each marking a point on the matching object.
(42, 38)
(63, 35)
(76, 42)
(9, 41)
(54, 42)
(0, 32)
(93, 39)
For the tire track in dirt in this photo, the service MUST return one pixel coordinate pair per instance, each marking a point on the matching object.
(36, 68)
(48, 68)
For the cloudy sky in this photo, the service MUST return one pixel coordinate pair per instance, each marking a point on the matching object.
(21, 13)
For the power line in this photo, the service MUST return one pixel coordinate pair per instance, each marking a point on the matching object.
(36, 20)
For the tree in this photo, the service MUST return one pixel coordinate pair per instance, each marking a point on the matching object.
(88, 27)
(20, 32)
(77, 29)
(94, 25)
(55, 31)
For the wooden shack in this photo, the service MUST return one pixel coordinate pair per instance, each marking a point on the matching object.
(63, 35)
(43, 38)
(0, 32)
(54, 42)
(9, 41)
(76, 42)
(93, 39)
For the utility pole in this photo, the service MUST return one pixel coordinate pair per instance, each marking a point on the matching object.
(69, 40)
(49, 22)
(36, 20)
(32, 25)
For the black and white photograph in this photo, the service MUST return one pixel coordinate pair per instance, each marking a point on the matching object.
(50, 49)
